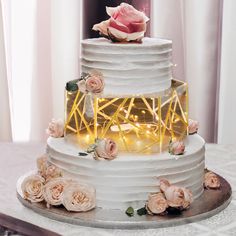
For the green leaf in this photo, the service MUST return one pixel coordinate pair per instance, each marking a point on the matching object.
(130, 211)
(83, 154)
(142, 211)
(72, 86)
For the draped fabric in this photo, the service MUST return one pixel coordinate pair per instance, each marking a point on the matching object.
(43, 42)
(40, 51)
(227, 97)
(5, 124)
(195, 28)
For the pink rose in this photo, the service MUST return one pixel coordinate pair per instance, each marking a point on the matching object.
(46, 170)
(176, 148)
(53, 191)
(177, 197)
(32, 188)
(55, 128)
(42, 165)
(156, 204)
(125, 23)
(174, 196)
(105, 148)
(211, 181)
(164, 184)
(93, 83)
(193, 126)
(79, 197)
(52, 172)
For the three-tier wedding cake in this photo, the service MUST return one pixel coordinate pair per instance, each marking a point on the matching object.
(127, 140)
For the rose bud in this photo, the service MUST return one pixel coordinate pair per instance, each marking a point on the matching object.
(211, 181)
(55, 128)
(193, 126)
(176, 148)
(106, 149)
(156, 204)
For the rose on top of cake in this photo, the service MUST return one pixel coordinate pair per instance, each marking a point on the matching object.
(126, 24)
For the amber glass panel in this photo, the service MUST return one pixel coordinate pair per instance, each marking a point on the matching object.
(136, 124)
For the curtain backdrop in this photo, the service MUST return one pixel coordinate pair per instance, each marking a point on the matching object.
(5, 124)
(195, 28)
(66, 28)
(43, 42)
(40, 51)
(227, 101)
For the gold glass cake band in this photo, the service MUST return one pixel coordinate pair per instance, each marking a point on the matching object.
(137, 124)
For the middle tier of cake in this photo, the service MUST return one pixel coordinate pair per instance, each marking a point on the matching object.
(137, 124)
(128, 179)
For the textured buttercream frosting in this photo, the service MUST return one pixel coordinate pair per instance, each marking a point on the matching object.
(128, 179)
(129, 68)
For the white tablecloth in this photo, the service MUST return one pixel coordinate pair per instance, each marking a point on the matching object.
(16, 159)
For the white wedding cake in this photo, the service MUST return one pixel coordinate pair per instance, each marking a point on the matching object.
(127, 140)
(139, 76)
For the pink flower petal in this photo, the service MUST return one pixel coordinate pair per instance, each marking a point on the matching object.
(119, 35)
(118, 26)
(135, 36)
(112, 10)
(128, 14)
(102, 27)
(137, 27)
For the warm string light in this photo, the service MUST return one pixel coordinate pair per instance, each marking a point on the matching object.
(136, 124)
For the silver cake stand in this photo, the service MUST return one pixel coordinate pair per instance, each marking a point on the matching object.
(208, 204)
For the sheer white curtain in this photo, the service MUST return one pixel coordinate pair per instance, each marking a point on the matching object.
(196, 30)
(43, 42)
(227, 101)
(66, 34)
(5, 124)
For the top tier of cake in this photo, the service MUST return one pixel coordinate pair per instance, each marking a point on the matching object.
(131, 69)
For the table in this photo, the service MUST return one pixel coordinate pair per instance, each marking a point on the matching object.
(19, 158)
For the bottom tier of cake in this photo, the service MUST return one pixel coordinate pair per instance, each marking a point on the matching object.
(128, 179)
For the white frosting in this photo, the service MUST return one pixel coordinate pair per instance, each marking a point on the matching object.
(131, 68)
(128, 179)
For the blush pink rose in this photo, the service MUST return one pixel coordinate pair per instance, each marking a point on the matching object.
(176, 148)
(106, 149)
(93, 83)
(32, 188)
(42, 165)
(125, 23)
(55, 128)
(79, 197)
(156, 204)
(211, 181)
(174, 196)
(177, 197)
(164, 184)
(193, 126)
(52, 172)
(53, 191)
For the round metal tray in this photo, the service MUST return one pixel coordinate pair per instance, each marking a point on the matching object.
(208, 204)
